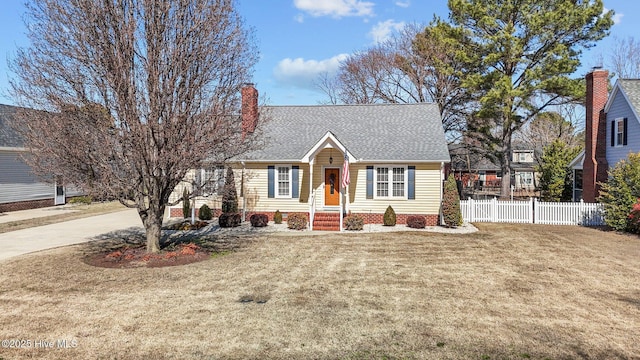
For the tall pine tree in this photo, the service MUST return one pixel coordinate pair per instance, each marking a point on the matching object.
(526, 51)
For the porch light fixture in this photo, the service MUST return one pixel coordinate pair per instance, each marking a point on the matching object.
(330, 156)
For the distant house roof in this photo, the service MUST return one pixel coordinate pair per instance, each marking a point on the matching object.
(8, 136)
(470, 159)
(466, 158)
(380, 132)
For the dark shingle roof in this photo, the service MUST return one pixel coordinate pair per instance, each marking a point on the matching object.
(8, 136)
(382, 132)
(631, 88)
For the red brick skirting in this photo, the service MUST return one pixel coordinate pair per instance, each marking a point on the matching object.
(177, 212)
(25, 205)
(432, 219)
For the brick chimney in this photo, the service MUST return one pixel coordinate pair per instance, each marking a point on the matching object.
(249, 109)
(594, 168)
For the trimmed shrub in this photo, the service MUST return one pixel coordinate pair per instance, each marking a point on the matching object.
(621, 192)
(229, 194)
(389, 218)
(229, 220)
(634, 219)
(451, 204)
(277, 217)
(186, 205)
(205, 212)
(353, 222)
(297, 221)
(259, 220)
(416, 221)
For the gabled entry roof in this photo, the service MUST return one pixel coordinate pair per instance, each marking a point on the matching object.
(328, 140)
(376, 133)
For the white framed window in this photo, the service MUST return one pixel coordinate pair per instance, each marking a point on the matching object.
(283, 181)
(522, 157)
(212, 180)
(390, 182)
(619, 132)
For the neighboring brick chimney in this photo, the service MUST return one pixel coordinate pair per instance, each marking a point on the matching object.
(594, 168)
(249, 109)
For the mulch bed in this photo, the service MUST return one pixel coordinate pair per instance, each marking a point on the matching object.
(182, 243)
(137, 256)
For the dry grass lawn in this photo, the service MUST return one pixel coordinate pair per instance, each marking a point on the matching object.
(506, 292)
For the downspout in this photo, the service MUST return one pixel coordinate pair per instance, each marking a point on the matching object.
(441, 192)
(244, 199)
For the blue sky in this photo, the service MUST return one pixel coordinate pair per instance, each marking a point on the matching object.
(299, 39)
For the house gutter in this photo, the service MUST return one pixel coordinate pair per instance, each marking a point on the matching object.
(441, 190)
(352, 160)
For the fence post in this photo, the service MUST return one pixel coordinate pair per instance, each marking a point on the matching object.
(494, 210)
(532, 210)
(581, 216)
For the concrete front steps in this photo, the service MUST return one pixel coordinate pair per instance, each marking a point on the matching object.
(326, 221)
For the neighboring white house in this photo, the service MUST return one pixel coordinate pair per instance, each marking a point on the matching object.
(19, 188)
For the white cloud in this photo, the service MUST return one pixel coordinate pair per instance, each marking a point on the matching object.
(617, 17)
(303, 73)
(299, 18)
(404, 4)
(335, 8)
(383, 30)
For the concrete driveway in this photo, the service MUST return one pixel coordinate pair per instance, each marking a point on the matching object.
(71, 232)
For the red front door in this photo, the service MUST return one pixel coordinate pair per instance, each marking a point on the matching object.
(331, 187)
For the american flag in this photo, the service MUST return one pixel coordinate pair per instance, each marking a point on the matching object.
(345, 171)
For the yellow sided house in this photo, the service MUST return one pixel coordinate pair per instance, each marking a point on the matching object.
(328, 161)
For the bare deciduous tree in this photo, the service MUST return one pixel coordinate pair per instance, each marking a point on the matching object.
(403, 69)
(134, 94)
(624, 58)
(548, 127)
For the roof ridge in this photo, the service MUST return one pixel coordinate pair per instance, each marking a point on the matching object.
(355, 105)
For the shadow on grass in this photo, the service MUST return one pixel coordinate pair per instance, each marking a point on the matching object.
(211, 238)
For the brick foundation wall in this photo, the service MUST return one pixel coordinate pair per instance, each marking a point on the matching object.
(25, 205)
(177, 212)
(401, 219)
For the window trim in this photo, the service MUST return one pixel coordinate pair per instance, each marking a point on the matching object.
(619, 132)
(216, 181)
(405, 181)
(276, 179)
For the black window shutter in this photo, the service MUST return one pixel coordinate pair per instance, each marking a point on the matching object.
(369, 182)
(624, 133)
(613, 133)
(411, 180)
(295, 192)
(271, 170)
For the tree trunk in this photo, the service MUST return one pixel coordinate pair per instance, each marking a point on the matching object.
(154, 231)
(505, 165)
(152, 219)
(505, 184)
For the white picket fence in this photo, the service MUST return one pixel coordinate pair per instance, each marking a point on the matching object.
(532, 211)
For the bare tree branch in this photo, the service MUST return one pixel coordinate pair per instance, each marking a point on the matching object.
(136, 93)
